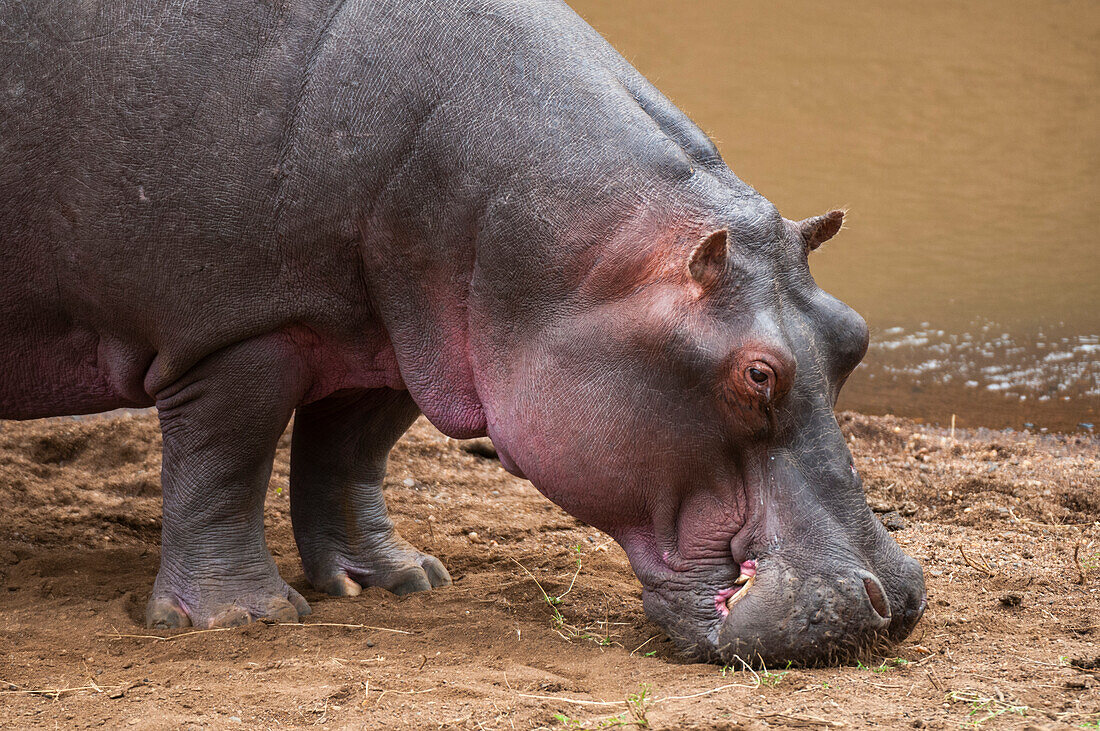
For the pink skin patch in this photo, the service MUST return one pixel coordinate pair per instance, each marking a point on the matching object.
(748, 570)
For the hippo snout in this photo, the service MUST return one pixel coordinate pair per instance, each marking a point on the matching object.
(791, 613)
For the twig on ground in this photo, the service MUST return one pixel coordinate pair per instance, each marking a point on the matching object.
(789, 719)
(985, 569)
(55, 693)
(564, 699)
(1029, 521)
(709, 691)
(1082, 577)
(644, 644)
(163, 638)
(346, 626)
(655, 701)
(399, 692)
(544, 594)
(561, 596)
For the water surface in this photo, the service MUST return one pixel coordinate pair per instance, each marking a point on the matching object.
(964, 138)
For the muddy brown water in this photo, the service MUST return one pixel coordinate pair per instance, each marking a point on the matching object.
(964, 138)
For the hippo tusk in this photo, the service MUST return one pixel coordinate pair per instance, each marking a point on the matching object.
(747, 582)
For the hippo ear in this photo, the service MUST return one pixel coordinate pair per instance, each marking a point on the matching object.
(819, 229)
(708, 259)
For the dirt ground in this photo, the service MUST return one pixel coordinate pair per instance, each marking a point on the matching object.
(1011, 637)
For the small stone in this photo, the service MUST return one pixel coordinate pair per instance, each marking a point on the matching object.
(893, 522)
(880, 506)
(409, 482)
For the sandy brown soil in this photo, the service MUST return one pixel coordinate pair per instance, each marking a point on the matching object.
(1011, 631)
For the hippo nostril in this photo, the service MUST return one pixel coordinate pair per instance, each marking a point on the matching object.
(875, 593)
(919, 612)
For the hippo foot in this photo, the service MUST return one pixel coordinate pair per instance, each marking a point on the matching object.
(388, 561)
(223, 605)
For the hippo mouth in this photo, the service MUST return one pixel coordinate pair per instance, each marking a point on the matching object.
(771, 601)
(726, 599)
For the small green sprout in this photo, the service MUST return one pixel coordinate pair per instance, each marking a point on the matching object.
(637, 706)
(984, 708)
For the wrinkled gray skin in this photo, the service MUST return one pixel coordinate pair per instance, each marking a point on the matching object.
(361, 211)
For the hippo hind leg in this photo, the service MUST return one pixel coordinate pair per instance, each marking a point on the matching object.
(221, 423)
(337, 462)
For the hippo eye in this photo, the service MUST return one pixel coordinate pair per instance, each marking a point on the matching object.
(757, 379)
(761, 379)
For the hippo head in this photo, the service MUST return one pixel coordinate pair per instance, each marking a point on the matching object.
(680, 398)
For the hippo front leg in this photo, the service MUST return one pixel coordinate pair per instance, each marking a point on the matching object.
(221, 423)
(337, 462)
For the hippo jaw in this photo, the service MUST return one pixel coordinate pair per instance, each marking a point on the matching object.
(800, 583)
(788, 579)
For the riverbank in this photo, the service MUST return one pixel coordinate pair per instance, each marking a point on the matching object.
(1006, 524)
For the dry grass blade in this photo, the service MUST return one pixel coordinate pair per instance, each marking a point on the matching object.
(55, 693)
(790, 719)
(983, 566)
(655, 701)
(566, 699)
(539, 585)
(644, 644)
(165, 638)
(346, 626)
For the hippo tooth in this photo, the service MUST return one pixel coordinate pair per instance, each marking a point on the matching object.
(749, 581)
(743, 578)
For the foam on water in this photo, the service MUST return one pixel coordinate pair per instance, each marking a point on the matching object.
(1048, 367)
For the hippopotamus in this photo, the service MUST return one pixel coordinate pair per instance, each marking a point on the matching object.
(354, 212)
